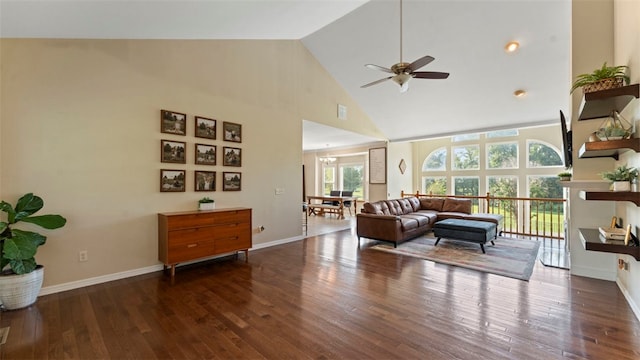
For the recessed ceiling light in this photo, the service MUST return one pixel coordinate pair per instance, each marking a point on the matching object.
(511, 46)
(519, 93)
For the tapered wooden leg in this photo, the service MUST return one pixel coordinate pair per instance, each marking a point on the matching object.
(482, 247)
(437, 241)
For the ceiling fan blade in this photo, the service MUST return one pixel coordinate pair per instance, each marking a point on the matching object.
(375, 82)
(381, 68)
(420, 63)
(430, 75)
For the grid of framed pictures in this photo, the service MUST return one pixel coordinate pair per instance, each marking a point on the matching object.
(204, 153)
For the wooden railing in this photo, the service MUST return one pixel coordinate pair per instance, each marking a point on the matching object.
(539, 217)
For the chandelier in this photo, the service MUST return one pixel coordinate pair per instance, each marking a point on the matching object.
(327, 159)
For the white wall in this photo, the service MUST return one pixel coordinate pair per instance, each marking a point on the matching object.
(80, 126)
(397, 181)
(627, 52)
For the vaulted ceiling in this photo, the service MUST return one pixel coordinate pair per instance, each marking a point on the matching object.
(466, 38)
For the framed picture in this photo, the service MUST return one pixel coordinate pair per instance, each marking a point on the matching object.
(172, 122)
(172, 180)
(231, 181)
(232, 132)
(231, 156)
(378, 166)
(205, 181)
(205, 154)
(173, 151)
(205, 128)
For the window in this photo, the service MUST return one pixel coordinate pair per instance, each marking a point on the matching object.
(465, 137)
(545, 187)
(502, 156)
(502, 133)
(466, 157)
(329, 179)
(436, 185)
(352, 178)
(468, 186)
(502, 186)
(436, 161)
(543, 155)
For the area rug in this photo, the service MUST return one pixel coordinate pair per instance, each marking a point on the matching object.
(509, 257)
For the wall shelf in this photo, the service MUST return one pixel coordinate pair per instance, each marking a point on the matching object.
(611, 148)
(591, 240)
(632, 196)
(599, 104)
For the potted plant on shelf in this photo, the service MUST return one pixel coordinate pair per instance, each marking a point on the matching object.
(565, 176)
(607, 77)
(20, 275)
(206, 204)
(621, 177)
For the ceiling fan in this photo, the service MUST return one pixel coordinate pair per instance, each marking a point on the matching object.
(403, 72)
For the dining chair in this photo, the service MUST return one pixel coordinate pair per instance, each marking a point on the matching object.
(347, 204)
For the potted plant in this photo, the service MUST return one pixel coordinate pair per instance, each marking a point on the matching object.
(607, 77)
(565, 176)
(206, 204)
(621, 177)
(20, 275)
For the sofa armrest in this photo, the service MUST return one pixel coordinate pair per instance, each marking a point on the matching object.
(382, 227)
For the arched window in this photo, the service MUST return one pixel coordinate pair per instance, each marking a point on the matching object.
(436, 161)
(541, 154)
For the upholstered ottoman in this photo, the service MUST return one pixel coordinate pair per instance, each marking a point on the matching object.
(465, 230)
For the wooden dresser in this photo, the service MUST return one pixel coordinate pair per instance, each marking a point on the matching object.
(190, 235)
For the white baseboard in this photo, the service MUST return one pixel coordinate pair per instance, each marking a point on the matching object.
(98, 280)
(593, 273)
(632, 304)
(135, 272)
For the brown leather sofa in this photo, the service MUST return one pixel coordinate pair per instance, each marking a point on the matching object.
(399, 220)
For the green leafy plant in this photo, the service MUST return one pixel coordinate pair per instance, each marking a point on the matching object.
(565, 174)
(206, 200)
(621, 173)
(18, 247)
(605, 72)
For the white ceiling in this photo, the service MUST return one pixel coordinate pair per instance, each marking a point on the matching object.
(465, 37)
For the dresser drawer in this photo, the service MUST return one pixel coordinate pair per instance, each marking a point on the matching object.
(233, 243)
(190, 221)
(190, 251)
(228, 230)
(185, 236)
(236, 216)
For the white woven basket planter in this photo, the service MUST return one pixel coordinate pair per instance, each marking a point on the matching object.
(19, 291)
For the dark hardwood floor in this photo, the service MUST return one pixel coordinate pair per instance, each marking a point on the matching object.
(325, 298)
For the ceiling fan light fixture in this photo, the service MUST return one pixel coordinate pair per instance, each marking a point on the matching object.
(401, 79)
(519, 93)
(511, 46)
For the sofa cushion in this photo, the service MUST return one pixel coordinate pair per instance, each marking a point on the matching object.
(373, 208)
(457, 205)
(394, 207)
(450, 215)
(422, 220)
(415, 203)
(494, 218)
(431, 204)
(408, 223)
(405, 205)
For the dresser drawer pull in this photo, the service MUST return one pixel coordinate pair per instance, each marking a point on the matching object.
(192, 245)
